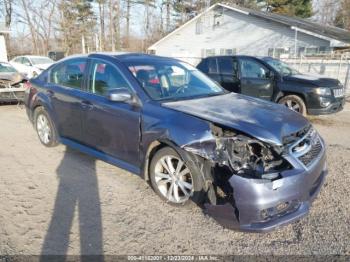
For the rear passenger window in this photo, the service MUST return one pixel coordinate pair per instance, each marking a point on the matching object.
(226, 65)
(18, 60)
(69, 73)
(103, 77)
(212, 66)
(203, 66)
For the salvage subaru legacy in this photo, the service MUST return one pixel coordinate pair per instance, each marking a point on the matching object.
(251, 164)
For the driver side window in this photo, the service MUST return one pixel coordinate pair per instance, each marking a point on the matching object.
(252, 69)
(104, 77)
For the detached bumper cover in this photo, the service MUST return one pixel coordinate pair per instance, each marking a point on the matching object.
(256, 201)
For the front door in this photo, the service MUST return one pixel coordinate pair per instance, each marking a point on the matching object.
(110, 127)
(65, 92)
(255, 79)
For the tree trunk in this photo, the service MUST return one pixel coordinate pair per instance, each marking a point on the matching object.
(167, 16)
(8, 20)
(101, 8)
(31, 26)
(128, 10)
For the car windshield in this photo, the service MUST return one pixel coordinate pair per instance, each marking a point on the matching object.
(7, 68)
(41, 60)
(281, 67)
(172, 80)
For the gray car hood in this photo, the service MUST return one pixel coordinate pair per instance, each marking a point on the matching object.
(263, 120)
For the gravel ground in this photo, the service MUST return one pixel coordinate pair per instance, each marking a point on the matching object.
(59, 201)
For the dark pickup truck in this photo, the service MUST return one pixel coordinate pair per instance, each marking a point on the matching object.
(273, 80)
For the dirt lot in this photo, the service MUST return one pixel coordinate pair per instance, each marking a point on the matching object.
(57, 201)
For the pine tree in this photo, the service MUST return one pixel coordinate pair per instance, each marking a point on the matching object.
(77, 20)
(300, 8)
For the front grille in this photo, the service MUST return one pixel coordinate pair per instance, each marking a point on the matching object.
(308, 148)
(339, 92)
(312, 154)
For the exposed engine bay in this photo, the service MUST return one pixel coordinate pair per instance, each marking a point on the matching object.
(243, 155)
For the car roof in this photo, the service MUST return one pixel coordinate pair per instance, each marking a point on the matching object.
(131, 57)
(31, 56)
(122, 57)
(236, 56)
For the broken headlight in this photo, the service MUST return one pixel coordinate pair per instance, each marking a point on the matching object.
(245, 156)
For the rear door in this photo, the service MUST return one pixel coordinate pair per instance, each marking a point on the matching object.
(255, 79)
(229, 73)
(209, 66)
(65, 89)
(108, 126)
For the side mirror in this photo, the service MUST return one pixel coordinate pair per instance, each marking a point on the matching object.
(269, 75)
(120, 95)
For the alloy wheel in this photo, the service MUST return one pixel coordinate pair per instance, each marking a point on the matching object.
(293, 105)
(43, 128)
(173, 179)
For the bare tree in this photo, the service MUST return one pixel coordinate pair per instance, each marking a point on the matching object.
(114, 24)
(127, 17)
(44, 23)
(101, 9)
(27, 19)
(343, 16)
(326, 11)
(8, 8)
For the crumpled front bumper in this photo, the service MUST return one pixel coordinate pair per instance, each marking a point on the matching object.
(257, 201)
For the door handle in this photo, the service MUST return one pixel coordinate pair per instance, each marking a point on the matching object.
(87, 105)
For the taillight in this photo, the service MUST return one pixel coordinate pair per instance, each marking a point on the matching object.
(27, 85)
(154, 81)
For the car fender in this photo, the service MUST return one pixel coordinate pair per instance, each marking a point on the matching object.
(175, 133)
(42, 100)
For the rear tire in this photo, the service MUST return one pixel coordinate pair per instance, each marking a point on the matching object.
(44, 127)
(294, 102)
(175, 181)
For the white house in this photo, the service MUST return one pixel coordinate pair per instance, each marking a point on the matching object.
(225, 30)
(3, 49)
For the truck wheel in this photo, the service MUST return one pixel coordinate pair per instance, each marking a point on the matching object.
(173, 180)
(294, 102)
(44, 127)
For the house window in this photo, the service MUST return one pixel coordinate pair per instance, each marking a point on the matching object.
(311, 50)
(210, 52)
(199, 27)
(231, 51)
(279, 52)
(270, 52)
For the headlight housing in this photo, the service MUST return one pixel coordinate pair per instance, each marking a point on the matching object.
(324, 91)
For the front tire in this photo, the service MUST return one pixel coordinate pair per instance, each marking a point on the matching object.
(173, 180)
(295, 103)
(44, 127)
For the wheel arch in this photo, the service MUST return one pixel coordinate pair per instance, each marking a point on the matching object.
(204, 166)
(287, 93)
(49, 111)
(151, 150)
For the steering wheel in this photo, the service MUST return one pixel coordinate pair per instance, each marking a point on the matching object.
(181, 88)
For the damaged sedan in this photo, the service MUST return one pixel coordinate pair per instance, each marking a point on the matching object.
(250, 164)
(12, 83)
